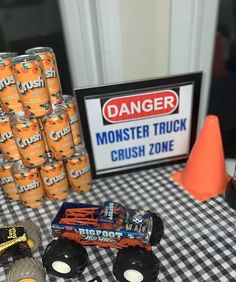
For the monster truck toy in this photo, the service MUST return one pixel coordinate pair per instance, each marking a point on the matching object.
(21, 241)
(131, 231)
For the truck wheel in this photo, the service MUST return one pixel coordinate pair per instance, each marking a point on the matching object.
(33, 234)
(136, 264)
(26, 269)
(65, 258)
(157, 230)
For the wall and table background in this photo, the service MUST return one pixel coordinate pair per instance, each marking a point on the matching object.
(111, 41)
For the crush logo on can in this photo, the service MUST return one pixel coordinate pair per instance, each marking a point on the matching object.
(139, 106)
(29, 186)
(50, 181)
(6, 180)
(24, 87)
(31, 85)
(29, 141)
(5, 136)
(21, 189)
(52, 76)
(8, 81)
(57, 135)
(51, 73)
(23, 143)
(77, 173)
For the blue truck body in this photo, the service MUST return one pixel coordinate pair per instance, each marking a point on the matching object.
(114, 223)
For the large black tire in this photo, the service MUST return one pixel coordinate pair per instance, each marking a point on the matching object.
(157, 230)
(33, 234)
(26, 268)
(65, 258)
(136, 264)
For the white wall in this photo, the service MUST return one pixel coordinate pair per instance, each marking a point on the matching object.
(193, 31)
(145, 29)
(112, 41)
(116, 40)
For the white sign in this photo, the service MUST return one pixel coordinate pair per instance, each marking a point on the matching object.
(135, 129)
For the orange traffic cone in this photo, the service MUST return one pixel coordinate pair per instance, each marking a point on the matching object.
(204, 175)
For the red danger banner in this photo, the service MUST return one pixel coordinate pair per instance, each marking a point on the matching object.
(140, 106)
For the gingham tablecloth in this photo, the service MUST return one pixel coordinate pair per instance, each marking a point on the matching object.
(200, 238)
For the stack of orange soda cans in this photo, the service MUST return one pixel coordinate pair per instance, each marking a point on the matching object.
(40, 141)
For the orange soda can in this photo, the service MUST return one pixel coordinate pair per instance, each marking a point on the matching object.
(7, 182)
(31, 85)
(29, 185)
(29, 140)
(78, 171)
(9, 97)
(70, 105)
(58, 133)
(7, 142)
(50, 70)
(54, 179)
(43, 136)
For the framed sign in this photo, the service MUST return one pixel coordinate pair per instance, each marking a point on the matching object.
(141, 124)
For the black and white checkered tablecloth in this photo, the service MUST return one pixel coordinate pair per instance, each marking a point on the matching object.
(200, 238)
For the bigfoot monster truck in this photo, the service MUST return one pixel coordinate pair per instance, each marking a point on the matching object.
(21, 241)
(131, 231)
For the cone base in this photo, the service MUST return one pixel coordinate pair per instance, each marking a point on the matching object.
(198, 195)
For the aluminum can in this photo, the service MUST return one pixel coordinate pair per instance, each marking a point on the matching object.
(7, 182)
(54, 179)
(50, 70)
(7, 142)
(29, 140)
(70, 105)
(31, 85)
(78, 171)
(29, 185)
(58, 133)
(9, 97)
(44, 136)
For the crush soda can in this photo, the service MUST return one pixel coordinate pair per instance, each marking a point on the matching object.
(50, 70)
(9, 97)
(78, 171)
(58, 133)
(70, 105)
(31, 85)
(54, 179)
(29, 140)
(44, 136)
(7, 142)
(7, 182)
(29, 185)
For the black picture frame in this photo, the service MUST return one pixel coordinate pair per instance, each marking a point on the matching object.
(114, 90)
